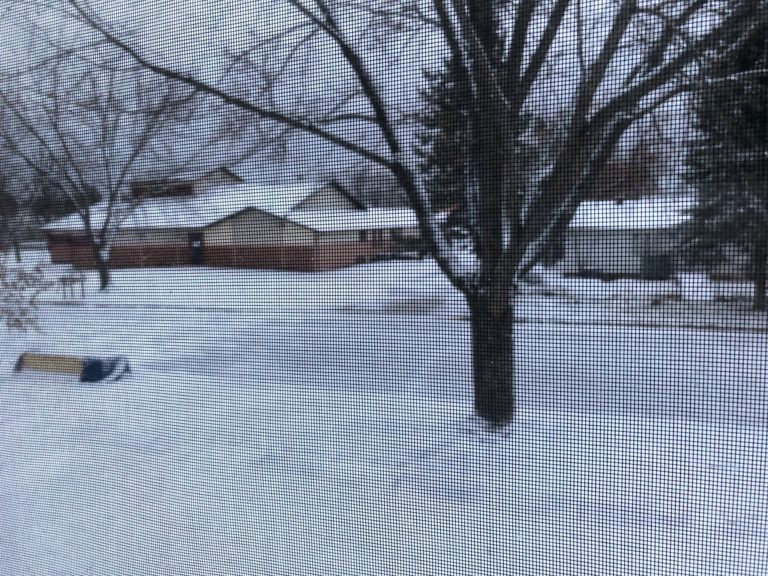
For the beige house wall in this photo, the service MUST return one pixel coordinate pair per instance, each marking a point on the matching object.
(605, 251)
(255, 228)
(379, 234)
(412, 232)
(620, 252)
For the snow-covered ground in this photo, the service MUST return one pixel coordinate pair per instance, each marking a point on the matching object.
(280, 423)
(416, 288)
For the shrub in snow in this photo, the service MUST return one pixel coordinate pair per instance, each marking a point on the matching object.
(19, 289)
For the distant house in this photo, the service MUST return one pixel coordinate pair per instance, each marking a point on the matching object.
(222, 221)
(630, 238)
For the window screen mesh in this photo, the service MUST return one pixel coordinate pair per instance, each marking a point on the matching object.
(351, 287)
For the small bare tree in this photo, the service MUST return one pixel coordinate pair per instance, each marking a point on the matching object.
(87, 130)
(642, 55)
(20, 288)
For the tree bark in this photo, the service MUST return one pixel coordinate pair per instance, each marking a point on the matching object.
(102, 266)
(16, 250)
(103, 276)
(492, 321)
(759, 270)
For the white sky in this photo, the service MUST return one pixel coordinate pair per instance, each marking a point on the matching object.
(200, 36)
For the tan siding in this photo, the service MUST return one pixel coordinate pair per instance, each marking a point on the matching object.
(328, 198)
(294, 235)
(605, 251)
(257, 229)
(617, 252)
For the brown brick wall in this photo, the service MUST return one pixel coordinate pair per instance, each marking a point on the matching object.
(80, 255)
(70, 250)
(271, 257)
(339, 255)
(148, 255)
(303, 258)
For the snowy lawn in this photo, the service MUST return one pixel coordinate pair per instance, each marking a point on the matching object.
(416, 288)
(276, 429)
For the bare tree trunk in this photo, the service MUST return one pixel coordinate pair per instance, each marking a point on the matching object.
(16, 250)
(104, 276)
(493, 357)
(102, 266)
(759, 271)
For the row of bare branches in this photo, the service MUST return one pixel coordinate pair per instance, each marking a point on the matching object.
(84, 122)
(20, 289)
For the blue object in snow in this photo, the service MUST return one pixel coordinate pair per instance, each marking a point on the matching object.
(100, 369)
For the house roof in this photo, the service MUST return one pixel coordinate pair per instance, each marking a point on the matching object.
(276, 200)
(199, 211)
(651, 213)
(187, 175)
(347, 194)
(343, 220)
(196, 211)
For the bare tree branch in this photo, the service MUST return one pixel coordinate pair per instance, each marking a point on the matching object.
(539, 56)
(229, 98)
(596, 74)
(580, 51)
(408, 11)
(327, 23)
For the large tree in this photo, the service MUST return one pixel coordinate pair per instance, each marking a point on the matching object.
(509, 55)
(727, 159)
(20, 203)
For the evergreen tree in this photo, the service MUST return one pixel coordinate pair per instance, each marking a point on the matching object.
(727, 161)
(443, 139)
(444, 143)
(9, 209)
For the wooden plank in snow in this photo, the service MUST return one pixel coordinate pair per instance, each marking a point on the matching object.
(50, 363)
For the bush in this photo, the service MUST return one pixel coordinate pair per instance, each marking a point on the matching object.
(19, 290)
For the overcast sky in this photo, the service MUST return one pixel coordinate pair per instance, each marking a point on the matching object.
(201, 36)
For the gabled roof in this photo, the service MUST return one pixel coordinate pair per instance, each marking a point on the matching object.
(187, 175)
(651, 213)
(277, 200)
(196, 211)
(344, 220)
(224, 202)
(348, 195)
